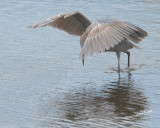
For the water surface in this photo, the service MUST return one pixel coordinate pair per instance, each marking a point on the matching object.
(44, 85)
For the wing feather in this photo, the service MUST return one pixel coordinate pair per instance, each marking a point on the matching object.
(105, 34)
(73, 23)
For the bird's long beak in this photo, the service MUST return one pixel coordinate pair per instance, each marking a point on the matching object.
(83, 60)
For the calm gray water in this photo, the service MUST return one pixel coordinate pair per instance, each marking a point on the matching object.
(44, 85)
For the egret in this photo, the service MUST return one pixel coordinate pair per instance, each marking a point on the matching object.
(103, 35)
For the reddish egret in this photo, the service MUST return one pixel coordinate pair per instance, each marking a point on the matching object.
(107, 34)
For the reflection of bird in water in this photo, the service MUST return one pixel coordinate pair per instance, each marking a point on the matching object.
(127, 100)
(118, 102)
(119, 98)
(103, 35)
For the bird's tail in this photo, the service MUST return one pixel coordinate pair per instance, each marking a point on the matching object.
(135, 45)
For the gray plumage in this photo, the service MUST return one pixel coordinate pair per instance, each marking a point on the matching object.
(103, 35)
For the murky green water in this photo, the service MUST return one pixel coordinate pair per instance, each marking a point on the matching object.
(44, 85)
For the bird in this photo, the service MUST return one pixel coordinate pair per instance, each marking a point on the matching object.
(102, 35)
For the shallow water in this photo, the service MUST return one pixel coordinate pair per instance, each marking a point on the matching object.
(43, 83)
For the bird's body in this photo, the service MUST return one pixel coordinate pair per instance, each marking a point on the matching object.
(103, 35)
(124, 46)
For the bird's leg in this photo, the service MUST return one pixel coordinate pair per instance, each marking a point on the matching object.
(83, 60)
(128, 53)
(118, 56)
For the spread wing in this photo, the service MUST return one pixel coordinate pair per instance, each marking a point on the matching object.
(106, 33)
(73, 23)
